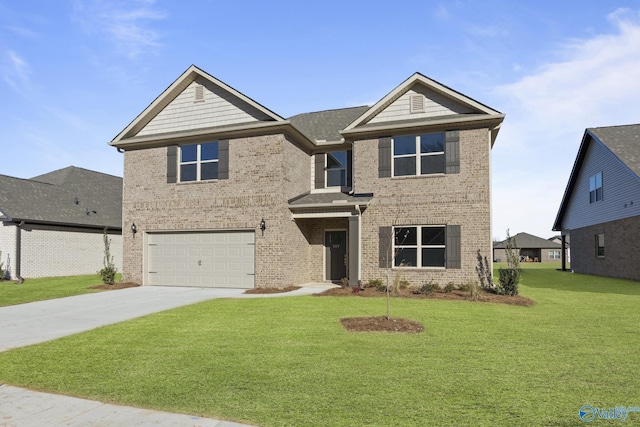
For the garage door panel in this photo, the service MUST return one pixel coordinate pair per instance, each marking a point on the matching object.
(208, 259)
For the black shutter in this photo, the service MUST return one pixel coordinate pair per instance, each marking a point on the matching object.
(349, 166)
(384, 157)
(452, 151)
(223, 159)
(172, 164)
(453, 255)
(385, 235)
(319, 176)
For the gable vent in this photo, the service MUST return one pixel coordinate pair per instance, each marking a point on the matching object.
(417, 103)
(199, 96)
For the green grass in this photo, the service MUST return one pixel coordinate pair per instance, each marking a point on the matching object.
(288, 361)
(46, 288)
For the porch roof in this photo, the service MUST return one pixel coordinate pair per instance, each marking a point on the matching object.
(333, 204)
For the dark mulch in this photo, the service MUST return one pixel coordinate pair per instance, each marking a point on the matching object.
(381, 324)
(271, 290)
(453, 295)
(121, 285)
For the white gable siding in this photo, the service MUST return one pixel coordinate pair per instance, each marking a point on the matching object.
(219, 108)
(435, 105)
(619, 187)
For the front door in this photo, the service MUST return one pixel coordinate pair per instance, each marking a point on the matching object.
(335, 243)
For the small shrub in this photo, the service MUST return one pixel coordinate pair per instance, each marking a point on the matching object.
(3, 273)
(374, 283)
(403, 284)
(465, 287)
(109, 270)
(449, 287)
(427, 288)
(509, 279)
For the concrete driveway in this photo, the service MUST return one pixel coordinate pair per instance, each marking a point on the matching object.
(32, 323)
(36, 322)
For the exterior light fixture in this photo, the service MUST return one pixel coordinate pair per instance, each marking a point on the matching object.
(134, 229)
(263, 226)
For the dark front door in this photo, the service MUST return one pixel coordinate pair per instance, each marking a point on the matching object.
(335, 243)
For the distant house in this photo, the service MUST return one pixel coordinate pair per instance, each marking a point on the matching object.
(600, 209)
(567, 244)
(529, 248)
(53, 224)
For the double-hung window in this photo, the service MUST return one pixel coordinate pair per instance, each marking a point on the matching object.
(199, 162)
(595, 188)
(418, 154)
(419, 246)
(338, 169)
(554, 254)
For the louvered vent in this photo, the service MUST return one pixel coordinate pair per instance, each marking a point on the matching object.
(199, 93)
(417, 103)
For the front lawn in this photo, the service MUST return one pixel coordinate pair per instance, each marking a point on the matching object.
(288, 361)
(46, 288)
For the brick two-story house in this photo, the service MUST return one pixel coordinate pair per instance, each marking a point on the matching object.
(224, 192)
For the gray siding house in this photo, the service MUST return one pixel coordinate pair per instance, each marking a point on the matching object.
(600, 209)
(53, 224)
(223, 192)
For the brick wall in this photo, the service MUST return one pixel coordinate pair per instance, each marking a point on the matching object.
(456, 199)
(621, 249)
(264, 173)
(48, 251)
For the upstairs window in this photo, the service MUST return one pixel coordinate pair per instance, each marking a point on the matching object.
(418, 154)
(199, 162)
(338, 166)
(595, 188)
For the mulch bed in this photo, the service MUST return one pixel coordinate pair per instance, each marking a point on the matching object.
(381, 324)
(271, 290)
(121, 285)
(453, 295)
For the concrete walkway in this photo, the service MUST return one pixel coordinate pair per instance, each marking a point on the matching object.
(37, 322)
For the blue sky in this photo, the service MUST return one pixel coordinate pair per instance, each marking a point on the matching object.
(74, 73)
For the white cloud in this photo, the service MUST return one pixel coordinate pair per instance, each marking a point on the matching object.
(593, 83)
(126, 24)
(15, 71)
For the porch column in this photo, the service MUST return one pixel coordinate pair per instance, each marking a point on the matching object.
(354, 249)
(563, 252)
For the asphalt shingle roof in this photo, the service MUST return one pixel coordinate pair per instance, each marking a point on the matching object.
(326, 125)
(623, 141)
(529, 241)
(51, 198)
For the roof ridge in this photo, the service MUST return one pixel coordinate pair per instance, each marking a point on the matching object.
(330, 109)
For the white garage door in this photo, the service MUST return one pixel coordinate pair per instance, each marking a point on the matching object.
(207, 259)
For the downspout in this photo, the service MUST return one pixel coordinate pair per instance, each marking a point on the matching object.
(18, 256)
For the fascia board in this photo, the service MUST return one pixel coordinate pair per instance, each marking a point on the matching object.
(493, 121)
(577, 164)
(328, 205)
(235, 131)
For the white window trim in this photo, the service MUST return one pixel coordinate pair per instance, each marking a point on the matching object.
(418, 247)
(197, 162)
(418, 156)
(346, 170)
(596, 187)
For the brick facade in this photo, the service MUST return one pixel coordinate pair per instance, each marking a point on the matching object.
(264, 173)
(621, 243)
(451, 199)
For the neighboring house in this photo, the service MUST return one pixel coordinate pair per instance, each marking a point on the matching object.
(224, 192)
(600, 209)
(529, 248)
(567, 244)
(53, 224)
